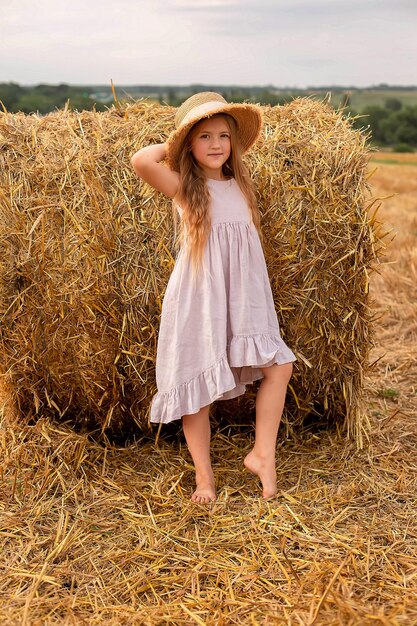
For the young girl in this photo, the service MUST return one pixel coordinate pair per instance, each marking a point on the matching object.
(219, 329)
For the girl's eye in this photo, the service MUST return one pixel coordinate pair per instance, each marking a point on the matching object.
(223, 136)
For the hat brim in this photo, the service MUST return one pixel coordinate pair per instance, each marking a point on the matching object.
(248, 117)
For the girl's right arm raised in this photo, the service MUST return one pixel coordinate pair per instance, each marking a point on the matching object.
(146, 164)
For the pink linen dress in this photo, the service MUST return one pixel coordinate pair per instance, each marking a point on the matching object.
(215, 333)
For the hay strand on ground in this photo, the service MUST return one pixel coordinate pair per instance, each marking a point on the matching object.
(109, 536)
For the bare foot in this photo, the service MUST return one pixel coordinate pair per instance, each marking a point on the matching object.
(265, 470)
(206, 491)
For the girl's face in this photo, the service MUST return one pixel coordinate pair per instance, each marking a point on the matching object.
(211, 146)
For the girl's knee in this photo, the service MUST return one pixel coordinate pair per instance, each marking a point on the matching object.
(278, 373)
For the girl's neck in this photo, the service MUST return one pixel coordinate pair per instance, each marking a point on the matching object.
(222, 180)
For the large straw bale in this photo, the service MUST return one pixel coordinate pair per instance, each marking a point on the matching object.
(86, 252)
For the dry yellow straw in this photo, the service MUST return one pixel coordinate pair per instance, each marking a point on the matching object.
(86, 252)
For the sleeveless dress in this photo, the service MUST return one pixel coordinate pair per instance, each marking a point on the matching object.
(215, 333)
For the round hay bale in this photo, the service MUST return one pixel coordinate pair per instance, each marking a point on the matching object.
(87, 249)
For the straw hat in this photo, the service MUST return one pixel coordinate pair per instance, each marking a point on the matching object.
(201, 105)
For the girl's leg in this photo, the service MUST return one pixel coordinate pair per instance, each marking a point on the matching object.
(270, 401)
(196, 427)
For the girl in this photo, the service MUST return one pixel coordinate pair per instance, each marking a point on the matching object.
(219, 329)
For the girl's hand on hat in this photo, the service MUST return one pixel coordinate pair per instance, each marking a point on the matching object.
(146, 163)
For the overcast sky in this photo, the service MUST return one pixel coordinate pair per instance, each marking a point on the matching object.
(295, 43)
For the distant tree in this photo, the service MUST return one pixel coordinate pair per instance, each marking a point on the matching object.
(401, 126)
(274, 99)
(403, 147)
(196, 88)
(171, 97)
(84, 103)
(374, 117)
(10, 93)
(32, 103)
(45, 89)
(393, 104)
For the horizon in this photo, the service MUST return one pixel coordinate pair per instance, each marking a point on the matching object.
(218, 84)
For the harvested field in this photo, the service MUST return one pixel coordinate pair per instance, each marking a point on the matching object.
(403, 158)
(104, 535)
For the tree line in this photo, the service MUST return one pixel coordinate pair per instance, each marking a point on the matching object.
(45, 98)
(392, 125)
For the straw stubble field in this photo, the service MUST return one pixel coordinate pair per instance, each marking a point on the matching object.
(107, 535)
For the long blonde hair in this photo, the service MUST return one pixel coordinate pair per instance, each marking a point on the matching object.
(194, 198)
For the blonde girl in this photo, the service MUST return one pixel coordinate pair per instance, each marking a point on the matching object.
(219, 329)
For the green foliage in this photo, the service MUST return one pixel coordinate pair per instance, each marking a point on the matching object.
(10, 93)
(32, 103)
(401, 127)
(403, 147)
(45, 98)
(390, 127)
(393, 104)
(375, 116)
